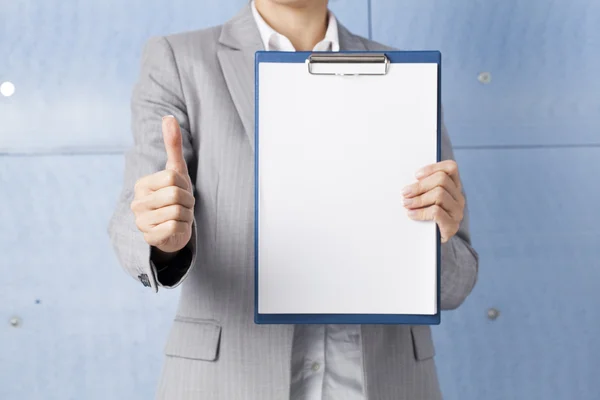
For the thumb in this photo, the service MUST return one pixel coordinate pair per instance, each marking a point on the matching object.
(173, 145)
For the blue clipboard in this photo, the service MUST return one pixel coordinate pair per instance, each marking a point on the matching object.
(326, 64)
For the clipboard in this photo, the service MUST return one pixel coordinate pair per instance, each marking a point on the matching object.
(337, 137)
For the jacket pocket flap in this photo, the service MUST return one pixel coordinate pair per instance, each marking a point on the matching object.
(192, 338)
(422, 342)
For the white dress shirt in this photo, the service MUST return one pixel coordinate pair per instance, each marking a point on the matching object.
(326, 359)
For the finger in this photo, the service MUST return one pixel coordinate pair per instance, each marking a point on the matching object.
(160, 180)
(174, 145)
(448, 226)
(450, 167)
(161, 233)
(150, 219)
(164, 197)
(437, 196)
(438, 179)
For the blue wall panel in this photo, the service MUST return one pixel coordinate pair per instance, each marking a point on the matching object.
(542, 56)
(537, 232)
(73, 63)
(353, 14)
(86, 330)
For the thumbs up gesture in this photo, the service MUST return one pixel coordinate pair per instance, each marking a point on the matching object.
(164, 202)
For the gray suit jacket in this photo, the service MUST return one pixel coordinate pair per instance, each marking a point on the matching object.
(215, 351)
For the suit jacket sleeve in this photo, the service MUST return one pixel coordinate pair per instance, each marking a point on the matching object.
(157, 93)
(460, 262)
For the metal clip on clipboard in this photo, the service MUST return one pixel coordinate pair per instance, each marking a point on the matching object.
(348, 64)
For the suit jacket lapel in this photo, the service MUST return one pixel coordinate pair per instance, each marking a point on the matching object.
(240, 39)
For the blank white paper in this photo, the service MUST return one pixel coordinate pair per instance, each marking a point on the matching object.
(334, 154)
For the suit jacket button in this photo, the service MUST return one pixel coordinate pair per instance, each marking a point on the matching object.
(144, 279)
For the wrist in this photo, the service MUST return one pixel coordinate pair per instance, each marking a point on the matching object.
(159, 256)
(170, 267)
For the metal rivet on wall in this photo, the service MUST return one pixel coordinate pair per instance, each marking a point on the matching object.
(484, 77)
(7, 89)
(15, 321)
(492, 313)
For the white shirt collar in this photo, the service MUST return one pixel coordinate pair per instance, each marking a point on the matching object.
(274, 41)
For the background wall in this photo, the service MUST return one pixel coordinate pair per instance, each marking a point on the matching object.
(522, 100)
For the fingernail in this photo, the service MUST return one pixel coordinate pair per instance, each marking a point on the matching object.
(412, 213)
(406, 190)
(407, 202)
(168, 116)
(420, 173)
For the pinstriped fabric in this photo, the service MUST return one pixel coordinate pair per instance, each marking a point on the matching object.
(215, 351)
(205, 334)
(393, 371)
(238, 68)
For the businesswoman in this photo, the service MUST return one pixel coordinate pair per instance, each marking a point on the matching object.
(186, 217)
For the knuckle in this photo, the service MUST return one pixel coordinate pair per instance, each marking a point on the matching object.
(436, 211)
(445, 179)
(137, 187)
(178, 212)
(452, 166)
(171, 226)
(439, 193)
(174, 195)
(447, 183)
(171, 177)
(417, 188)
